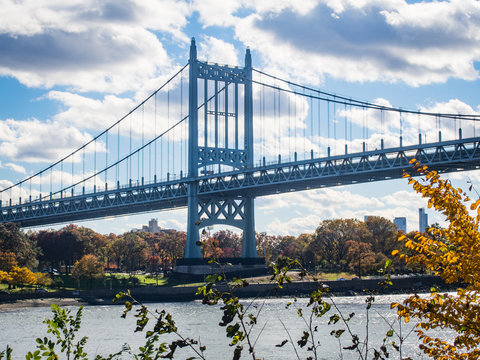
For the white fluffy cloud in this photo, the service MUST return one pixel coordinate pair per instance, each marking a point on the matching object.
(93, 46)
(288, 210)
(361, 40)
(218, 50)
(28, 138)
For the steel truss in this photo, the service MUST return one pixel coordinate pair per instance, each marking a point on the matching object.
(222, 197)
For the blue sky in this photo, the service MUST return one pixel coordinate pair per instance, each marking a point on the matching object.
(60, 62)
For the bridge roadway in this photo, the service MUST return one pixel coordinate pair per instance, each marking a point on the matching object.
(267, 179)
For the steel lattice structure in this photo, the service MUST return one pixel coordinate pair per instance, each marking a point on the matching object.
(222, 135)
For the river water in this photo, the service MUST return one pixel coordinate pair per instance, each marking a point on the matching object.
(107, 331)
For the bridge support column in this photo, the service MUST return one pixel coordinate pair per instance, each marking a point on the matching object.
(249, 243)
(192, 249)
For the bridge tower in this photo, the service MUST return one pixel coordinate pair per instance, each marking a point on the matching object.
(217, 138)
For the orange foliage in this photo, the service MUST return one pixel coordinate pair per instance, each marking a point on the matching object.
(452, 253)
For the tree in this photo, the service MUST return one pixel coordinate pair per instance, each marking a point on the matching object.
(7, 261)
(453, 254)
(12, 239)
(384, 234)
(64, 246)
(130, 251)
(88, 268)
(329, 242)
(360, 257)
(21, 276)
(229, 242)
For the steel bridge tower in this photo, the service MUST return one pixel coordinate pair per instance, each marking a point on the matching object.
(224, 150)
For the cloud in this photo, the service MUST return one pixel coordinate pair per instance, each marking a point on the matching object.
(288, 210)
(107, 46)
(217, 50)
(368, 40)
(28, 137)
(15, 167)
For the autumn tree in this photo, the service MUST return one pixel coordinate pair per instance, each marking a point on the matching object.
(89, 267)
(130, 251)
(229, 242)
(453, 253)
(360, 257)
(13, 239)
(21, 276)
(383, 234)
(7, 261)
(329, 242)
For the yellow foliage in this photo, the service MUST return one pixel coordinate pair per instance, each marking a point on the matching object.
(454, 254)
(22, 276)
(88, 267)
(5, 276)
(43, 279)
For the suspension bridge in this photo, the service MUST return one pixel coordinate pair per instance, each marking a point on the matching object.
(214, 137)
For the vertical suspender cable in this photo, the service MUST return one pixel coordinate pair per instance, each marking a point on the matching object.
(311, 123)
(129, 161)
(95, 165)
(328, 122)
(168, 126)
(304, 124)
(289, 126)
(279, 124)
(181, 117)
(106, 160)
(61, 179)
(117, 166)
(335, 126)
(319, 123)
(155, 131)
(295, 121)
(274, 116)
(350, 122)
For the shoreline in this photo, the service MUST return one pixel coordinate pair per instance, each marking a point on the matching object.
(355, 287)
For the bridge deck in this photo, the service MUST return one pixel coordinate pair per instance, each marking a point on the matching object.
(277, 178)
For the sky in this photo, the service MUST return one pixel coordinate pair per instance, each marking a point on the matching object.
(70, 69)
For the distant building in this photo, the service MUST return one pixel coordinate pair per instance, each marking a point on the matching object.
(152, 227)
(401, 223)
(422, 220)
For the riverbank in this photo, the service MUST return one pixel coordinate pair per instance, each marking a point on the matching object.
(353, 287)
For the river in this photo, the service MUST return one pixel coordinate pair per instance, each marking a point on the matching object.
(107, 331)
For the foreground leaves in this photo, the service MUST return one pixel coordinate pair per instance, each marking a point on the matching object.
(452, 253)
